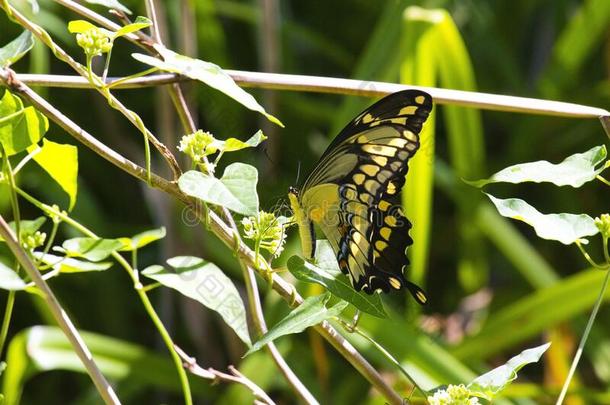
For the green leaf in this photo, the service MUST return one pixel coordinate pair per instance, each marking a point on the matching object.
(574, 171)
(205, 72)
(233, 144)
(235, 190)
(94, 249)
(27, 227)
(489, 384)
(565, 228)
(142, 239)
(16, 49)
(115, 4)
(311, 312)
(60, 161)
(10, 280)
(19, 127)
(139, 24)
(207, 284)
(80, 26)
(71, 265)
(45, 348)
(434, 54)
(529, 316)
(334, 281)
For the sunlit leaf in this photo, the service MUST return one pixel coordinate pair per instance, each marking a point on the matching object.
(60, 161)
(565, 228)
(311, 312)
(80, 26)
(334, 281)
(19, 127)
(45, 348)
(234, 144)
(70, 264)
(235, 190)
(27, 227)
(112, 4)
(205, 72)
(16, 49)
(94, 249)
(574, 171)
(143, 239)
(207, 284)
(139, 24)
(10, 280)
(489, 384)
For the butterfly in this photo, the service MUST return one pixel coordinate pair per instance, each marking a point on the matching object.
(353, 194)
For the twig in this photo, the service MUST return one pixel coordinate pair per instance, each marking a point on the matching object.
(332, 85)
(82, 351)
(259, 322)
(217, 226)
(62, 55)
(190, 363)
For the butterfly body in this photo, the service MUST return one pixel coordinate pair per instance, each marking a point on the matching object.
(353, 194)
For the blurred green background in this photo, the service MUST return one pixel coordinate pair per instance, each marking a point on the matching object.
(494, 287)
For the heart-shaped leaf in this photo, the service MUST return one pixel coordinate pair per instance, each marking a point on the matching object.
(207, 284)
(565, 228)
(235, 190)
(19, 127)
(91, 248)
(574, 171)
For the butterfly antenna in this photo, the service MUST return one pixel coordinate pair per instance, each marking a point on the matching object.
(298, 172)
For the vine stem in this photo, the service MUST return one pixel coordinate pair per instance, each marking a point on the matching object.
(387, 355)
(133, 274)
(585, 335)
(82, 351)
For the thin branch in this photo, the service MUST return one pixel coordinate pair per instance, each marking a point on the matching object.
(256, 309)
(217, 226)
(62, 55)
(190, 363)
(485, 101)
(64, 322)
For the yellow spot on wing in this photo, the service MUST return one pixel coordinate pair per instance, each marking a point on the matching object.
(384, 205)
(408, 110)
(385, 232)
(421, 297)
(395, 283)
(380, 160)
(420, 99)
(390, 220)
(379, 150)
(367, 118)
(409, 135)
(359, 178)
(362, 139)
(380, 245)
(316, 214)
(398, 142)
(391, 188)
(370, 170)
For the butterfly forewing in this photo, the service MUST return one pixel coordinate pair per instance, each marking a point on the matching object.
(363, 171)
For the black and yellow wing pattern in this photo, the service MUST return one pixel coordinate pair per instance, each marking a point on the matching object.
(353, 193)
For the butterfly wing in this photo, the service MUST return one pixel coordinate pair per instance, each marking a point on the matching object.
(353, 193)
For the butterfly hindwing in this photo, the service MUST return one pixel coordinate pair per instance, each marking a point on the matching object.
(365, 167)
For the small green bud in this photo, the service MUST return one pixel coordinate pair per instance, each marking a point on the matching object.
(94, 41)
(453, 395)
(198, 145)
(267, 229)
(603, 224)
(31, 242)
